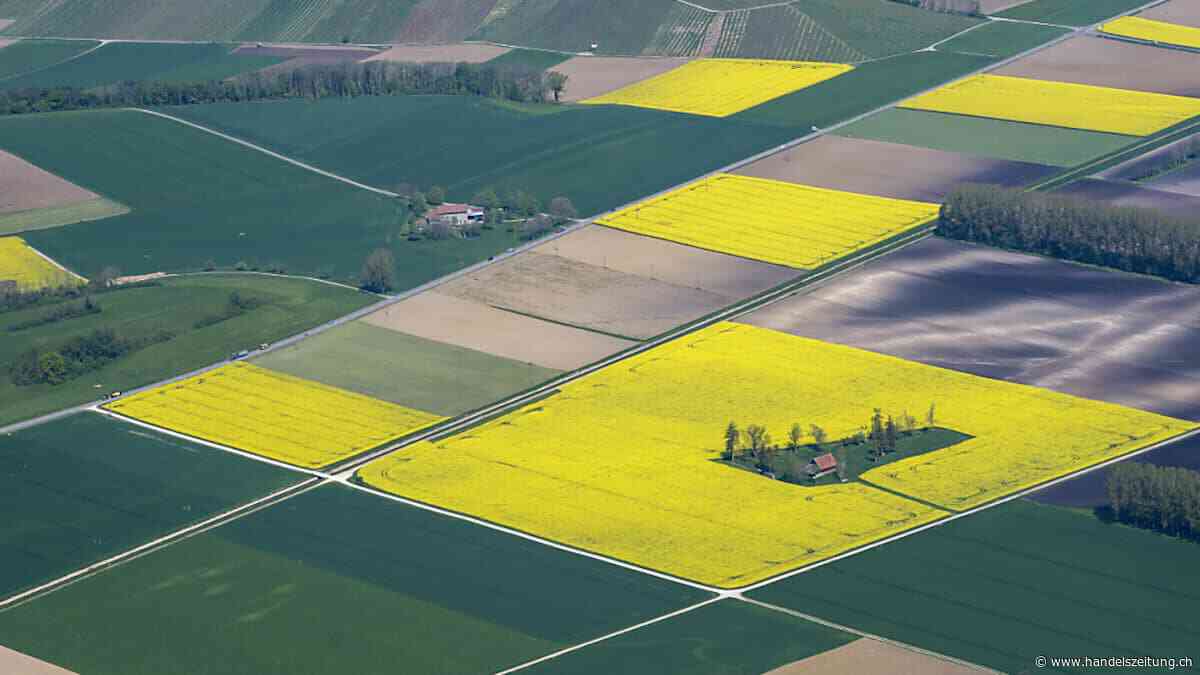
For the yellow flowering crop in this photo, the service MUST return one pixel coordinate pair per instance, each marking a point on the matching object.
(783, 223)
(20, 263)
(722, 87)
(620, 462)
(1062, 104)
(1153, 31)
(275, 415)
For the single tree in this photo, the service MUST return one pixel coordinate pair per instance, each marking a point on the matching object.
(486, 199)
(731, 439)
(931, 416)
(107, 277)
(436, 195)
(379, 271)
(795, 435)
(556, 82)
(419, 204)
(818, 435)
(562, 209)
(889, 435)
(877, 441)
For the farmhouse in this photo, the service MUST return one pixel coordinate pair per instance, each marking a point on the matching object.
(821, 465)
(455, 214)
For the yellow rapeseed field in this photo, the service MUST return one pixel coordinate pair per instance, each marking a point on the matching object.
(20, 263)
(783, 223)
(620, 462)
(1154, 31)
(722, 87)
(287, 418)
(1062, 104)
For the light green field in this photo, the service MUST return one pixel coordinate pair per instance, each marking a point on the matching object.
(29, 55)
(412, 371)
(1002, 39)
(998, 139)
(55, 216)
(1071, 12)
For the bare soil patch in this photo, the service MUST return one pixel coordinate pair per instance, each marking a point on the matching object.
(1119, 193)
(474, 325)
(24, 187)
(5, 23)
(1093, 333)
(470, 53)
(1145, 164)
(589, 76)
(889, 169)
(16, 663)
(1185, 181)
(579, 294)
(1112, 63)
(4, 43)
(434, 21)
(299, 56)
(662, 260)
(872, 657)
(1185, 12)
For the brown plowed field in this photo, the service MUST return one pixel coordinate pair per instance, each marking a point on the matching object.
(445, 318)
(470, 53)
(24, 186)
(889, 169)
(589, 76)
(579, 294)
(1186, 12)
(1111, 63)
(993, 6)
(1093, 333)
(16, 663)
(872, 657)
(298, 56)
(434, 21)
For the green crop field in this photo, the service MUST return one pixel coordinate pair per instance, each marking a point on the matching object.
(289, 306)
(879, 28)
(1009, 584)
(616, 26)
(147, 62)
(412, 371)
(1002, 39)
(29, 55)
(1070, 12)
(529, 58)
(998, 139)
(197, 199)
(86, 487)
(336, 581)
(728, 637)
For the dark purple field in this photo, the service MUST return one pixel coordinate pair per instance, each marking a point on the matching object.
(1117, 193)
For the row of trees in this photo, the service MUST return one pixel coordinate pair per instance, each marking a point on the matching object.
(315, 81)
(968, 7)
(1165, 499)
(77, 356)
(1134, 240)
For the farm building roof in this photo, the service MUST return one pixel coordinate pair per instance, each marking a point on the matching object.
(825, 462)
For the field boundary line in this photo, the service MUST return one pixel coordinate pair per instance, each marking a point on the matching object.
(933, 47)
(165, 540)
(57, 63)
(265, 151)
(870, 636)
(317, 280)
(1144, 42)
(52, 261)
(602, 638)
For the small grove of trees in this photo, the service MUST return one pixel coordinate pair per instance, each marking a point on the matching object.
(1164, 499)
(77, 356)
(968, 7)
(59, 312)
(378, 271)
(1130, 239)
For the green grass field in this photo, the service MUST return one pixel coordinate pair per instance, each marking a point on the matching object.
(336, 581)
(29, 55)
(728, 637)
(617, 26)
(291, 306)
(146, 62)
(198, 199)
(1006, 585)
(1070, 12)
(998, 139)
(57, 216)
(529, 58)
(1002, 39)
(412, 371)
(78, 490)
(879, 28)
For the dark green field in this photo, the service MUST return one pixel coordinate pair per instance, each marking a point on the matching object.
(336, 581)
(1011, 583)
(998, 139)
(120, 61)
(529, 58)
(29, 55)
(412, 371)
(198, 199)
(617, 26)
(86, 487)
(289, 307)
(1071, 12)
(1002, 39)
(880, 28)
(728, 637)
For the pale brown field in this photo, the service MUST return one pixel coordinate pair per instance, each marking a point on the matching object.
(993, 6)
(1185, 12)
(4, 43)
(5, 23)
(445, 318)
(1111, 63)
(872, 657)
(24, 187)
(589, 76)
(469, 53)
(16, 663)
(889, 169)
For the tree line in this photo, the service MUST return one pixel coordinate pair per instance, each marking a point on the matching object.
(78, 356)
(313, 81)
(1164, 499)
(1129, 239)
(967, 7)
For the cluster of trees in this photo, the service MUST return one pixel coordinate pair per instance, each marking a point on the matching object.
(13, 298)
(968, 7)
(60, 312)
(1134, 240)
(520, 208)
(1164, 499)
(77, 356)
(315, 81)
